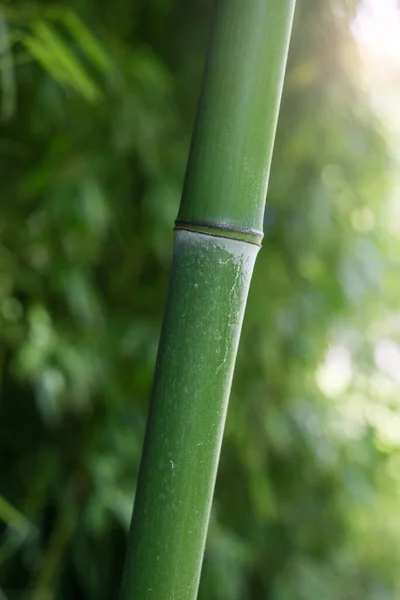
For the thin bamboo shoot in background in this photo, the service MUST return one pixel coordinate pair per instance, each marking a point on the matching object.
(218, 234)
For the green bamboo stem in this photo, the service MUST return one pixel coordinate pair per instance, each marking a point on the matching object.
(218, 233)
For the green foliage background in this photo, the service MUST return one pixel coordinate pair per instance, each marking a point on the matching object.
(97, 105)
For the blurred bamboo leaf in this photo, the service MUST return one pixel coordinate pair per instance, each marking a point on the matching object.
(39, 51)
(89, 45)
(78, 76)
(12, 517)
(53, 53)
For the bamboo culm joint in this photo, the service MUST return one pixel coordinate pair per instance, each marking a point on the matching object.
(217, 236)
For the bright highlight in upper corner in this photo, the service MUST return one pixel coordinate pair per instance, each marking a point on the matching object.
(377, 28)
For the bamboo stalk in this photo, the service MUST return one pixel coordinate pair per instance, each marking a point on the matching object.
(218, 234)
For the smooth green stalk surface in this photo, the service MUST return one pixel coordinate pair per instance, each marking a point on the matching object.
(217, 239)
(230, 156)
(200, 338)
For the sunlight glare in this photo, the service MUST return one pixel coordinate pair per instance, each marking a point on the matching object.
(334, 375)
(377, 29)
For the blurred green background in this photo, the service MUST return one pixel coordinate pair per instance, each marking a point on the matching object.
(97, 104)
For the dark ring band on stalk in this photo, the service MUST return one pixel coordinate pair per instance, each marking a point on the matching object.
(242, 234)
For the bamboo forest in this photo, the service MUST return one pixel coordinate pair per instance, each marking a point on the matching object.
(98, 103)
